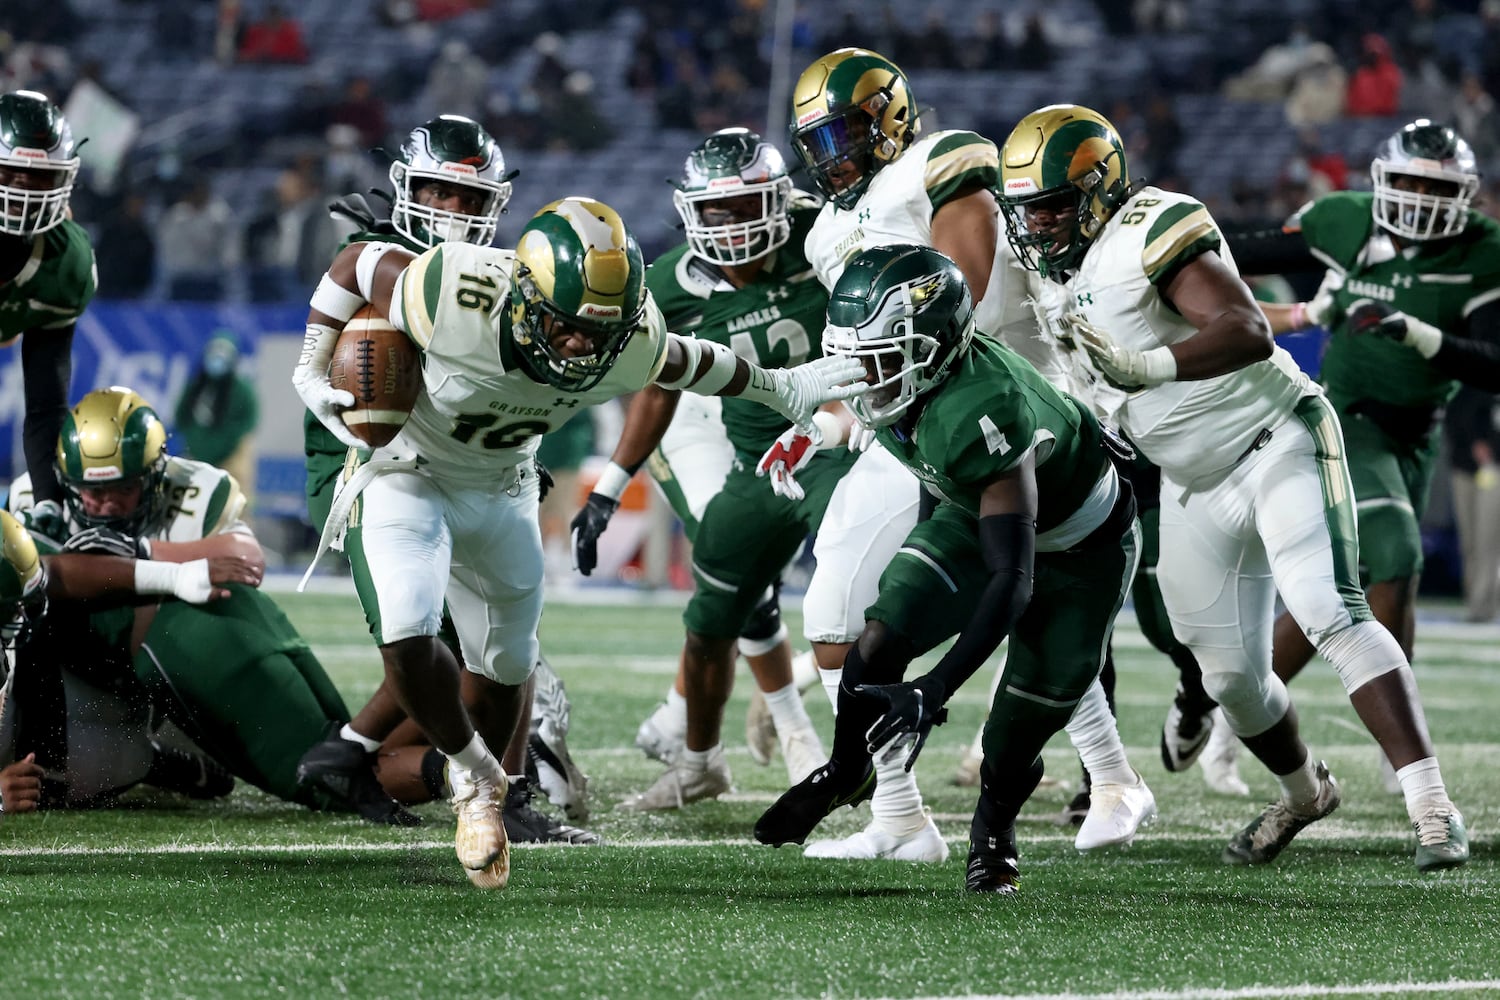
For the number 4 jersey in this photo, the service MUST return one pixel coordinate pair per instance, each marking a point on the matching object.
(481, 412)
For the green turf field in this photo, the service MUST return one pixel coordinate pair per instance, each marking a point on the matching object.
(252, 897)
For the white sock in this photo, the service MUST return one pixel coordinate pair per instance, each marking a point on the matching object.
(1300, 788)
(671, 718)
(804, 670)
(1097, 740)
(831, 680)
(348, 733)
(787, 711)
(476, 759)
(1422, 786)
(897, 805)
(696, 760)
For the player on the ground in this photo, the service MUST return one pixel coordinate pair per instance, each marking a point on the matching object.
(740, 280)
(514, 343)
(47, 274)
(1256, 495)
(1034, 536)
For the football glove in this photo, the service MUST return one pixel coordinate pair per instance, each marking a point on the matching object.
(544, 482)
(799, 391)
(46, 517)
(310, 379)
(1367, 317)
(860, 437)
(108, 541)
(912, 707)
(1121, 368)
(587, 526)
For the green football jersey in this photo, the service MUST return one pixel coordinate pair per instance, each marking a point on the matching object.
(981, 422)
(776, 321)
(53, 286)
(1440, 283)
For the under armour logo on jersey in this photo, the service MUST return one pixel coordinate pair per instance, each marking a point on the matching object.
(1400, 281)
(1086, 299)
(569, 402)
(863, 215)
(778, 293)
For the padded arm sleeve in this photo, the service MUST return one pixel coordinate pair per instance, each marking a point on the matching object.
(1473, 360)
(47, 367)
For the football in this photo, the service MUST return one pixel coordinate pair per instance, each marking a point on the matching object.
(383, 369)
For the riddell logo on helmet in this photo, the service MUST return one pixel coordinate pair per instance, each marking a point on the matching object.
(1020, 185)
(810, 116)
(462, 169)
(592, 310)
(725, 182)
(25, 153)
(101, 472)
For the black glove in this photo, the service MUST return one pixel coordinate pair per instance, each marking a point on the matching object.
(1368, 316)
(544, 482)
(910, 707)
(587, 526)
(109, 542)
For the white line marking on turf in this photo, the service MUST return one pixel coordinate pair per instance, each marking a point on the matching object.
(1249, 992)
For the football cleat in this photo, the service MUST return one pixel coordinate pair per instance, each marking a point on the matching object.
(657, 740)
(480, 840)
(993, 864)
(803, 753)
(679, 786)
(340, 775)
(1220, 760)
(1077, 808)
(1185, 732)
(875, 843)
(1442, 840)
(1270, 832)
(802, 807)
(525, 825)
(548, 762)
(196, 775)
(1114, 814)
(760, 729)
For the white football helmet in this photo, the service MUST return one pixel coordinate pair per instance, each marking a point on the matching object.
(38, 164)
(1438, 154)
(734, 163)
(454, 150)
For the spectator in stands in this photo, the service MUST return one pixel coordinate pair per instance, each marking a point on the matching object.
(1318, 88)
(361, 107)
(126, 249)
(289, 241)
(1034, 51)
(1375, 86)
(1272, 75)
(348, 164)
(1472, 427)
(457, 82)
(932, 47)
(217, 413)
(1163, 136)
(228, 25)
(987, 47)
(198, 243)
(1474, 117)
(275, 38)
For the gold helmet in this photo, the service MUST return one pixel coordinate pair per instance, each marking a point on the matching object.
(852, 113)
(23, 582)
(113, 438)
(1062, 175)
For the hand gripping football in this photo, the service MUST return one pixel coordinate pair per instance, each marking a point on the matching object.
(382, 368)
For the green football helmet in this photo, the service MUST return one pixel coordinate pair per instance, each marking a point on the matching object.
(456, 151)
(725, 173)
(1440, 157)
(23, 583)
(1062, 175)
(907, 313)
(113, 438)
(38, 164)
(852, 113)
(577, 269)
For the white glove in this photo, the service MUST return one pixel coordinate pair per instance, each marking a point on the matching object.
(310, 379)
(1320, 308)
(1127, 370)
(860, 437)
(796, 393)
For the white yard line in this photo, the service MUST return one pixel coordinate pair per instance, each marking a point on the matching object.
(1466, 986)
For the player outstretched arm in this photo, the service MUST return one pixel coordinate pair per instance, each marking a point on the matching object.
(1007, 540)
(711, 369)
(85, 576)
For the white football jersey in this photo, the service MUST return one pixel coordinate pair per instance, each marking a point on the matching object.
(202, 500)
(1191, 429)
(481, 412)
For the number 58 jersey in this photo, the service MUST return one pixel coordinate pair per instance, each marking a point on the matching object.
(1192, 429)
(481, 412)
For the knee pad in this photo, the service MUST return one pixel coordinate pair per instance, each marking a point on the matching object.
(764, 631)
(1252, 704)
(1361, 653)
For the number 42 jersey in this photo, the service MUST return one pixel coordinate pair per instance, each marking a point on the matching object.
(481, 412)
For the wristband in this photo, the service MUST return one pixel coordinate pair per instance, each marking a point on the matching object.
(831, 427)
(612, 482)
(334, 300)
(1297, 318)
(156, 577)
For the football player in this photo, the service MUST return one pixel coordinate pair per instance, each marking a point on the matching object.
(1412, 300)
(47, 274)
(740, 280)
(514, 343)
(449, 183)
(855, 128)
(207, 669)
(1035, 536)
(1256, 495)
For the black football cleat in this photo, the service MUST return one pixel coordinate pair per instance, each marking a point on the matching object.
(802, 807)
(525, 825)
(340, 775)
(993, 865)
(196, 775)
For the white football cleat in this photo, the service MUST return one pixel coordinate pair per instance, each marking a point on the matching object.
(549, 763)
(1220, 760)
(656, 740)
(803, 753)
(760, 729)
(1116, 813)
(875, 843)
(679, 786)
(480, 841)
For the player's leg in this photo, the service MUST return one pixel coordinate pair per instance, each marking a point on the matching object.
(868, 518)
(1307, 518)
(1217, 585)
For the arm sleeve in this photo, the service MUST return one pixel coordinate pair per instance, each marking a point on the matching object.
(1473, 360)
(47, 367)
(1008, 542)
